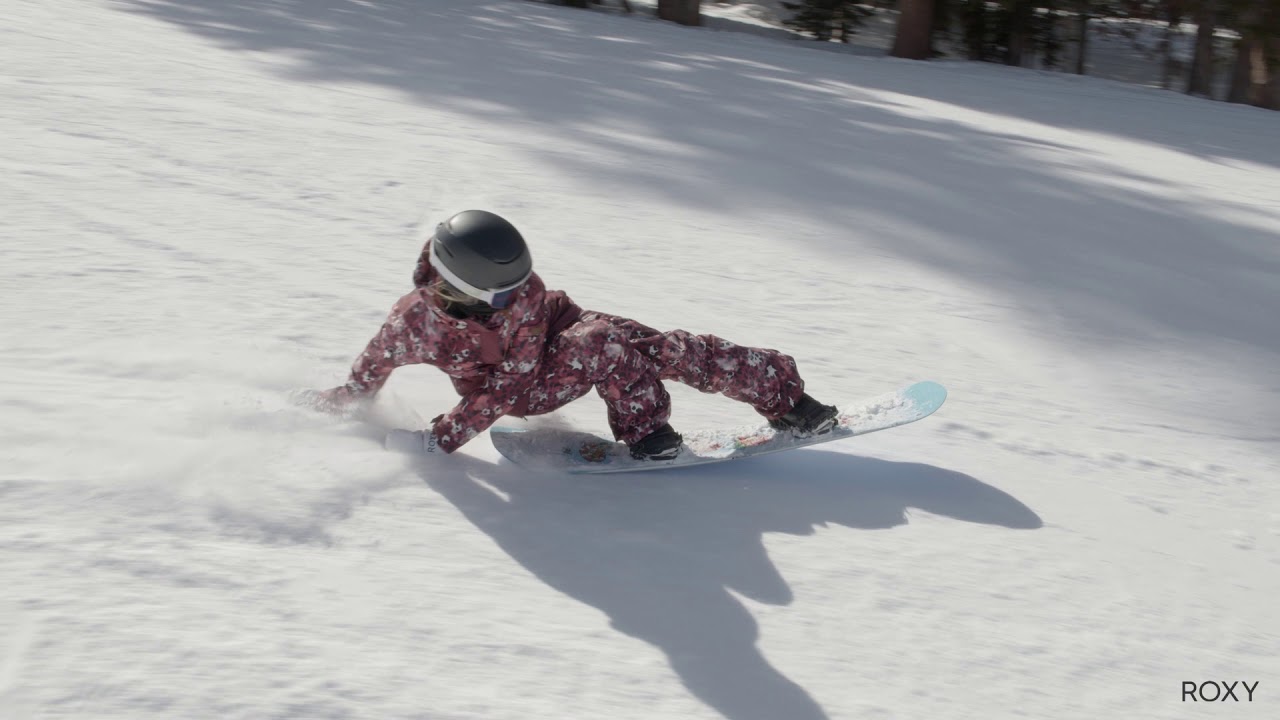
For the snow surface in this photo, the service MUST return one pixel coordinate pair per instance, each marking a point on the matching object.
(206, 206)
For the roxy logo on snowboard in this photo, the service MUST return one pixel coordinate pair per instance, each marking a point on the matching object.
(1218, 691)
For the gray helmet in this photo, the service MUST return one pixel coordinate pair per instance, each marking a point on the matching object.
(481, 255)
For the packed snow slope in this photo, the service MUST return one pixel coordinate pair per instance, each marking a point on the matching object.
(207, 206)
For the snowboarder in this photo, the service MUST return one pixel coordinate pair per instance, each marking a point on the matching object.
(512, 347)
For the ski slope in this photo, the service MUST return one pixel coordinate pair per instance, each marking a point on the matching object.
(207, 206)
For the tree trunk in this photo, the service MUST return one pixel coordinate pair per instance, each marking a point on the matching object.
(685, 12)
(1083, 30)
(915, 23)
(1253, 77)
(974, 16)
(1166, 57)
(1242, 71)
(1260, 81)
(1272, 100)
(1019, 32)
(938, 19)
(1200, 81)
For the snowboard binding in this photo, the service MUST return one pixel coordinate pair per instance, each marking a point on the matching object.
(808, 418)
(661, 444)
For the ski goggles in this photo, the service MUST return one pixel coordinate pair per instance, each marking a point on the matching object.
(497, 298)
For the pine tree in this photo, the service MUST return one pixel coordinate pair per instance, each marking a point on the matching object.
(826, 19)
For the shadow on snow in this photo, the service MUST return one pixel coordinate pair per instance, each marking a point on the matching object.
(659, 553)
(755, 127)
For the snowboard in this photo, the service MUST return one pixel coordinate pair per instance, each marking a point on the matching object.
(570, 451)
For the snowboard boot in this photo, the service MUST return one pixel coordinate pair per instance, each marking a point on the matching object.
(808, 418)
(661, 444)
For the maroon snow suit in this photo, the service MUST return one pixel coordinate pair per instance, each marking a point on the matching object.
(544, 351)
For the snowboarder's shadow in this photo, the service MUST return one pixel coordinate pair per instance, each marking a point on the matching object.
(659, 552)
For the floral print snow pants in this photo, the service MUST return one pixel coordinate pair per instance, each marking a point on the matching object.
(626, 363)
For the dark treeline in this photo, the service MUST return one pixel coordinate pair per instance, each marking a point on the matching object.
(1240, 36)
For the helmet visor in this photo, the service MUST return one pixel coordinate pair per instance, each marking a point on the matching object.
(498, 298)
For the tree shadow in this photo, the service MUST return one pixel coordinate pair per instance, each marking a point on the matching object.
(659, 553)
(488, 50)
(1112, 256)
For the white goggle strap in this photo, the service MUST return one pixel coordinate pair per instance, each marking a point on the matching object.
(488, 296)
